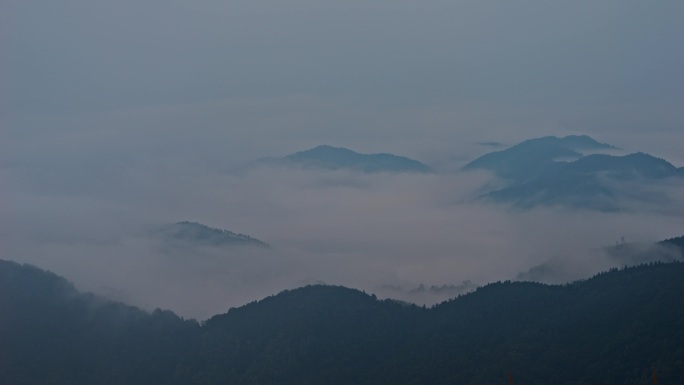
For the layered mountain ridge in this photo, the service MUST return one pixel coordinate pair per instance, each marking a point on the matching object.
(197, 234)
(327, 157)
(613, 328)
(554, 171)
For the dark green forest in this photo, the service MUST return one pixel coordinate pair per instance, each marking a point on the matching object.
(614, 328)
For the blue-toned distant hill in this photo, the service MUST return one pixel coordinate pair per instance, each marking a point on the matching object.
(553, 171)
(338, 158)
(197, 234)
(535, 156)
(601, 182)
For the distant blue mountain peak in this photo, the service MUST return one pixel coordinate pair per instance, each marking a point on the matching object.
(338, 158)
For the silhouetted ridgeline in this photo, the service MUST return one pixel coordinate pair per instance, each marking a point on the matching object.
(556, 171)
(610, 329)
(197, 234)
(676, 242)
(532, 157)
(326, 157)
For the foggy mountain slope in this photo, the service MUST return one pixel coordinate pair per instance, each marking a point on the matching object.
(677, 242)
(560, 270)
(601, 182)
(197, 234)
(552, 171)
(335, 158)
(531, 157)
(614, 328)
(53, 334)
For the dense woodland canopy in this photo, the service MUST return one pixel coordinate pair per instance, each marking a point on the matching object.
(614, 328)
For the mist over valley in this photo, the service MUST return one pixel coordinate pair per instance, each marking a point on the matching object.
(197, 192)
(390, 232)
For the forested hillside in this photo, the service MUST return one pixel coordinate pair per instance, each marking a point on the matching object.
(614, 328)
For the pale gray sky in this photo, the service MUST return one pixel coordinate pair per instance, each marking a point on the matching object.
(340, 71)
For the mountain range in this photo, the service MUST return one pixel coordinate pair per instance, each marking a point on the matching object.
(338, 158)
(615, 328)
(197, 234)
(554, 171)
(532, 157)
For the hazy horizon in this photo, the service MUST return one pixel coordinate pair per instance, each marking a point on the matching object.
(115, 116)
